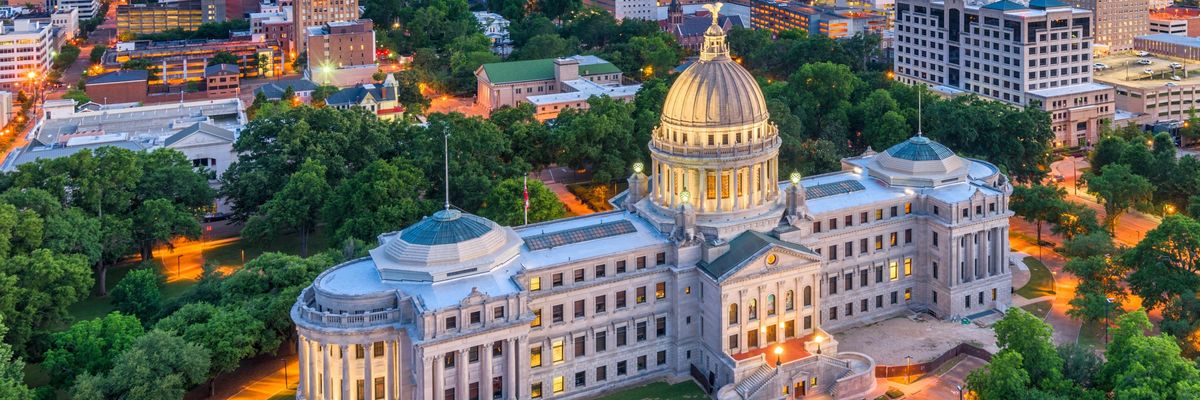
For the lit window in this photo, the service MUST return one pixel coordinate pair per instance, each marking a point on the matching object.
(535, 356)
(893, 271)
(660, 290)
(558, 384)
(535, 390)
(907, 208)
(908, 294)
(537, 318)
(556, 351)
(535, 284)
(907, 266)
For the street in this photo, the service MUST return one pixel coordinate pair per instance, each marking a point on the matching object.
(1131, 227)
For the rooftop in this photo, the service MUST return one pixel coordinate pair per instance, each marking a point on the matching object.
(584, 89)
(120, 77)
(1124, 71)
(543, 69)
(156, 121)
(745, 247)
(1071, 89)
(222, 69)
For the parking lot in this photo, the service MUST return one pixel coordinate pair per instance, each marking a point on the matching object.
(1130, 69)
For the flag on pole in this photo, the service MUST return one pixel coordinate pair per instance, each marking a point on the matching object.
(526, 193)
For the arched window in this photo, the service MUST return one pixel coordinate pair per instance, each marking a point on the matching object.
(752, 310)
(807, 296)
(789, 301)
(733, 314)
(770, 304)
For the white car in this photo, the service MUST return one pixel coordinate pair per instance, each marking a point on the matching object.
(1100, 66)
(1148, 71)
(1145, 62)
(1176, 65)
(1171, 84)
(1143, 54)
(1176, 78)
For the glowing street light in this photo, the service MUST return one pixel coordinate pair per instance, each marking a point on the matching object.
(637, 167)
(778, 354)
(819, 339)
(1169, 209)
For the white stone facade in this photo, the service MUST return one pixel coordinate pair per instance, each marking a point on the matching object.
(738, 290)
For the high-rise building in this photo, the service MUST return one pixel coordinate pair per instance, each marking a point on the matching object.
(137, 19)
(87, 8)
(27, 46)
(1118, 22)
(342, 53)
(1018, 54)
(314, 13)
(832, 21)
(718, 271)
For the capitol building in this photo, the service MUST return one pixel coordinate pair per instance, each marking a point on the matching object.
(714, 268)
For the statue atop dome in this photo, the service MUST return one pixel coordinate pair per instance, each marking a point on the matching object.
(714, 9)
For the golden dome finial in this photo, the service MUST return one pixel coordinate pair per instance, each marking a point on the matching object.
(715, 10)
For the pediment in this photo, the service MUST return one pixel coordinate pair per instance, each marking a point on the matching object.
(772, 259)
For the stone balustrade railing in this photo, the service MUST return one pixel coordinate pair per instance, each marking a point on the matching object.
(723, 150)
(311, 314)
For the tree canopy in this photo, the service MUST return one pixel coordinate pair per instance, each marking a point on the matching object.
(506, 204)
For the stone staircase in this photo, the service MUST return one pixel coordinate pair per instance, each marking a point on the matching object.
(755, 381)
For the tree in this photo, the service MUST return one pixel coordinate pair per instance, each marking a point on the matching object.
(1107, 151)
(1023, 333)
(223, 57)
(381, 197)
(159, 365)
(79, 96)
(12, 370)
(90, 346)
(1038, 203)
(97, 54)
(1076, 219)
(294, 208)
(467, 53)
(65, 57)
(1080, 364)
(323, 92)
(37, 288)
(139, 294)
(599, 139)
(158, 221)
(506, 204)
(230, 334)
(531, 139)
(1141, 366)
(548, 45)
(1002, 378)
(1094, 244)
(1099, 281)
(1165, 264)
(1118, 189)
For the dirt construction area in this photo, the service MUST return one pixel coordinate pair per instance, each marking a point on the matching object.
(890, 340)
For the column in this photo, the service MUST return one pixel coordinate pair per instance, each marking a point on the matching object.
(460, 369)
(389, 381)
(519, 353)
(346, 382)
(509, 356)
(485, 377)
(733, 187)
(702, 196)
(755, 185)
(368, 379)
(439, 378)
(952, 265)
(305, 355)
(326, 386)
(656, 173)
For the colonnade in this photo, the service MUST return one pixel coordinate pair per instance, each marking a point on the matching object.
(717, 189)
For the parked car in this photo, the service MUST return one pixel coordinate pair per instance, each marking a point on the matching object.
(1145, 61)
(1100, 66)
(1171, 84)
(1176, 78)
(1143, 54)
(1148, 71)
(1176, 65)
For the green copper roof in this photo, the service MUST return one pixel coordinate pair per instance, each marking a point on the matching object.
(1044, 4)
(538, 70)
(1004, 5)
(920, 148)
(446, 227)
(742, 249)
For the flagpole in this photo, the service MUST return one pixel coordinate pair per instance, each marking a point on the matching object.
(526, 193)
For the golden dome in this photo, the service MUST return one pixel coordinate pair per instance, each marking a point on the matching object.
(714, 93)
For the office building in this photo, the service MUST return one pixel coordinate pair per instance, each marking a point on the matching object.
(1009, 52)
(834, 22)
(700, 275)
(342, 53)
(27, 46)
(1117, 22)
(87, 8)
(316, 13)
(187, 15)
(67, 20)
(274, 26)
(185, 61)
(222, 80)
(627, 9)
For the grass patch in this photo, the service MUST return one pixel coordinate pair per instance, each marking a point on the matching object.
(1041, 282)
(289, 394)
(894, 393)
(660, 390)
(1039, 309)
(1091, 334)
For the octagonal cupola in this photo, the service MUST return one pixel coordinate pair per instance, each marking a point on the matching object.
(919, 162)
(447, 245)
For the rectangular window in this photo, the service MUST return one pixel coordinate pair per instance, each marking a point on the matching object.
(537, 318)
(935, 238)
(556, 351)
(862, 278)
(660, 358)
(849, 281)
(660, 259)
(907, 294)
(580, 379)
(641, 263)
(557, 280)
(600, 270)
(601, 304)
(879, 301)
(579, 275)
(907, 236)
(879, 242)
(908, 267)
(935, 300)
(862, 217)
(621, 336)
(660, 326)
(935, 270)
(451, 323)
(641, 295)
(807, 322)
(601, 373)
(558, 384)
(893, 213)
(580, 346)
(535, 390)
(833, 252)
(993, 294)
(641, 331)
(535, 356)
(557, 313)
(733, 341)
(641, 363)
(849, 248)
(621, 266)
(862, 305)
(601, 341)
(893, 297)
(579, 312)
(660, 290)
(832, 223)
(878, 273)
(832, 313)
(622, 368)
(892, 239)
(907, 208)
(620, 299)
(817, 227)
(535, 284)
(476, 317)
(848, 220)
(498, 313)
(862, 246)
(833, 286)
(878, 214)
(893, 271)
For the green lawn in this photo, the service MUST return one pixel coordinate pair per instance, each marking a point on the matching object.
(1041, 282)
(1091, 334)
(284, 395)
(1040, 309)
(660, 390)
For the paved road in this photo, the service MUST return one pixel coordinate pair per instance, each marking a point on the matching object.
(1131, 227)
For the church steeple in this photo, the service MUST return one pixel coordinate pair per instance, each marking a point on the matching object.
(674, 15)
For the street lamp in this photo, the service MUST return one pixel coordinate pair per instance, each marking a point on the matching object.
(960, 388)
(778, 354)
(819, 339)
(908, 369)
